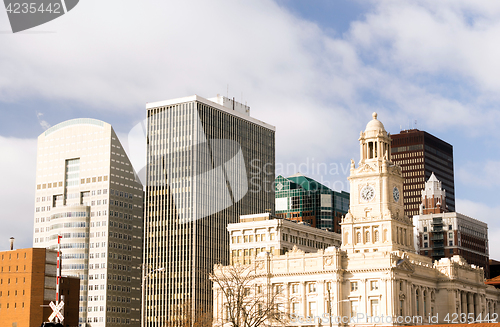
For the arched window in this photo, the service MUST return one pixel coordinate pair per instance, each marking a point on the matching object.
(424, 296)
(417, 303)
(367, 237)
(358, 237)
(376, 236)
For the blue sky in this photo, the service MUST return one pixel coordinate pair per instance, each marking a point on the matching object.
(314, 69)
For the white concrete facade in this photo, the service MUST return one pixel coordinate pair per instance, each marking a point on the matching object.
(87, 192)
(376, 273)
(265, 233)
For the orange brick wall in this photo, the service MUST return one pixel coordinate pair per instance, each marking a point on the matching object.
(22, 280)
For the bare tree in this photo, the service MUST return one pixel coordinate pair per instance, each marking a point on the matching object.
(246, 299)
(186, 317)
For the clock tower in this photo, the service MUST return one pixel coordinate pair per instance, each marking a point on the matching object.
(376, 219)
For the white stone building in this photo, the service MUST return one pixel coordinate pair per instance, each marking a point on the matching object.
(375, 278)
(266, 233)
(87, 192)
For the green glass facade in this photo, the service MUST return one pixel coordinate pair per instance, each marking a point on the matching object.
(301, 198)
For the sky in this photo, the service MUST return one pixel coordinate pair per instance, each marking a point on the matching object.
(315, 69)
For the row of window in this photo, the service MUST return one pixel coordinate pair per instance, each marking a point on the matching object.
(8, 293)
(121, 194)
(82, 181)
(9, 306)
(93, 179)
(250, 238)
(17, 268)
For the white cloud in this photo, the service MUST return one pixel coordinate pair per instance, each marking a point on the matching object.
(17, 167)
(482, 174)
(44, 124)
(487, 214)
(434, 61)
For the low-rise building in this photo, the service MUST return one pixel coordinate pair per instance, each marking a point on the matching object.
(267, 233)
(28, 285)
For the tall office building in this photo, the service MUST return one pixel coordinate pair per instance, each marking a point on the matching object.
(87, 192)
(300, 198)
(420, 154)
(208, 162)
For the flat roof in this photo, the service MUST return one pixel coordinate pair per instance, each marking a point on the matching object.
(198, 98)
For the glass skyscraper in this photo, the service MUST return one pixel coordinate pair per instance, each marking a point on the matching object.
(300, 198)
(208, 162)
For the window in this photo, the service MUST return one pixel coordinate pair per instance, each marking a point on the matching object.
(312, 287)
(354, 286)
(425, 244)
(354, 308)
(295, 307)
(377, 236)
(358, 237)
(425, 237)
(374, 308)
(295, 288)
(374, 285)
(450, 227)
(311, 309)
(425, 229)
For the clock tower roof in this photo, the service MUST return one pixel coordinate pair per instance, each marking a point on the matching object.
(374, 124)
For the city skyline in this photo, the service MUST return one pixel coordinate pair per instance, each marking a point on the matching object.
(316, 75)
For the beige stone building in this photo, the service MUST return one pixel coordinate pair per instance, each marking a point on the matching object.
(88, 193)
(375, 278)
(267, 233)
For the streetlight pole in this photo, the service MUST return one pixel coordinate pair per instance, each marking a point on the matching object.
(144, 291)
(330, 306)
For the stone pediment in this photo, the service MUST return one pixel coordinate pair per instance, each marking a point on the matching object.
(404, 264)
(395, 169)
(366, 168)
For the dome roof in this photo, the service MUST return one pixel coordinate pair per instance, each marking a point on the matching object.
(374, 124)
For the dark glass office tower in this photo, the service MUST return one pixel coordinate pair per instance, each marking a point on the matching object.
(208, 163)
(420, 154)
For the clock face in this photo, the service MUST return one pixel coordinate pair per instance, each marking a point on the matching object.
(395, 194)
(367, 193)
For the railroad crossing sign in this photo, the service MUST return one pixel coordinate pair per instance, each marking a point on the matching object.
(56, 311)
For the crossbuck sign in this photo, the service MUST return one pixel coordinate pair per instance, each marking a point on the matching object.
(56, 311)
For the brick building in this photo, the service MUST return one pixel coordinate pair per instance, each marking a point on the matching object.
(28, 285)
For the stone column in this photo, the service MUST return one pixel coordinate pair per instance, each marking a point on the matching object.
(320, 289)
(287, 297)
(463, 301)
(470, 303)
(303, 294)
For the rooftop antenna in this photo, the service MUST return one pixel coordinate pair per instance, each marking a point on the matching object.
(415, 124)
